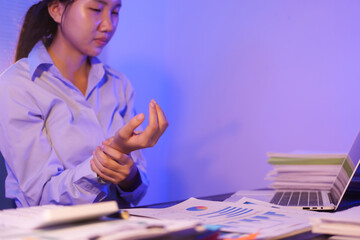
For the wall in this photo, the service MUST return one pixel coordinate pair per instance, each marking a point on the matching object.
(11, 13)
(236, 79)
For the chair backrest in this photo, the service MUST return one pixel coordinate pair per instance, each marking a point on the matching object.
(4, 202)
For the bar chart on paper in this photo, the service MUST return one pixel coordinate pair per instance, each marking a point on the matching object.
(236, 218)
(232, 217)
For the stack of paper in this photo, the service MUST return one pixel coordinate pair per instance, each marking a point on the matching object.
(309, 171)
(344, 224)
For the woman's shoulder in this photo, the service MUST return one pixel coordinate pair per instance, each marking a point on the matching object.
(16, 82)
(19, 72)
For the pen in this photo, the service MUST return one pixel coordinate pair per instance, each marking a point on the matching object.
(121, 214)
(250, 236)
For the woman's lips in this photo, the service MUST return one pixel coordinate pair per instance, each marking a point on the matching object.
(101, 41)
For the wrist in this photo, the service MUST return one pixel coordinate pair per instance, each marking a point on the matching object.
(132, 181)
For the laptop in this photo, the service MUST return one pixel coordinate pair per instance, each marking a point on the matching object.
(324, 200)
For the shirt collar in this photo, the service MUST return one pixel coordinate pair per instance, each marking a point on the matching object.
(40, 56)
(96, 75)
(97, 68)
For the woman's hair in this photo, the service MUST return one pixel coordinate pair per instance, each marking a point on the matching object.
(38, 25)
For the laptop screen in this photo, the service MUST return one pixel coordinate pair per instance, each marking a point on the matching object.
(346, 173)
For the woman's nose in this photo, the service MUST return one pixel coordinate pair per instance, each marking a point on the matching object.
(106, 24)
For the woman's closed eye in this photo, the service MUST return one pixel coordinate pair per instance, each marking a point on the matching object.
(116, 10)
(96, 9)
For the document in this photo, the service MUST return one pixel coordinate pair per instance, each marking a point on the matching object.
(262, 195)
(267, 221)
(288, 210)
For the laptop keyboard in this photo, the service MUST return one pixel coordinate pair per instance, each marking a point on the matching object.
(311, 198)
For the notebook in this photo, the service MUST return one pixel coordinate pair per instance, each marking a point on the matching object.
(51, 215)
(323, 200)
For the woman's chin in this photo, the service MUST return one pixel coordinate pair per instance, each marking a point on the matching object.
(94, 53)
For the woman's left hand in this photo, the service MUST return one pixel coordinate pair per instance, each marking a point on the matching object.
(126, 139)
(113, 166)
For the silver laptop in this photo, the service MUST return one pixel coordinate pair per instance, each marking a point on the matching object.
(323, 200)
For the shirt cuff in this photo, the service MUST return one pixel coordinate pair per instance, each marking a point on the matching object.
(135, 196)
(87, 179)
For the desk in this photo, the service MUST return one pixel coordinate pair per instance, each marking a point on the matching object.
(85, 227)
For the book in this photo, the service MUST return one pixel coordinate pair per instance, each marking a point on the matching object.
(309, 171)
(341, 224)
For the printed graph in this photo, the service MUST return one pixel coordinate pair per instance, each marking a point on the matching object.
(197, 208)
(227, 212)
(230, 217)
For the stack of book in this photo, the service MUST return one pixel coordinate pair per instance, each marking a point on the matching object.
(309, 171)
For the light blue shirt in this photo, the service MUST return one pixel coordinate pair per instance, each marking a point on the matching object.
(49, 129)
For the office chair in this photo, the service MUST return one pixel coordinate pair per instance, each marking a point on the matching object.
(4, 202)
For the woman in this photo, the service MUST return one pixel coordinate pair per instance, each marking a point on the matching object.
(67, 124)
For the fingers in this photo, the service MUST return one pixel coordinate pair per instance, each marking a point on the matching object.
(117, 156)
(125, 133)
(152, 128)
(108, 169)
(127, 139)
(162, 120)
(128, 129)
(157, 124)
(96, 167)
(108, 141)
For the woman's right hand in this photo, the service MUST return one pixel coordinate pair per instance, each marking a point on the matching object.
(127, 140)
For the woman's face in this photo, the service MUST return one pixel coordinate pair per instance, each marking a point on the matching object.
(88, 25)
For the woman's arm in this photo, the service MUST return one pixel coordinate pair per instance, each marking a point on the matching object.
(36, 173)
(112, 161)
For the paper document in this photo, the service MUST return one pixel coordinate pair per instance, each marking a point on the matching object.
(262, 195)
(234, 217)
(288, 210)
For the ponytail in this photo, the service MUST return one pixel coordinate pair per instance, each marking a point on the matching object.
(38, 25)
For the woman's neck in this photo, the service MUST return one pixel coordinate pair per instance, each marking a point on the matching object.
(71, 64)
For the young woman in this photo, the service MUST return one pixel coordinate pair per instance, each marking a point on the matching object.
(67, 124)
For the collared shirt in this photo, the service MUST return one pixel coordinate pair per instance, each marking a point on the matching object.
(49, 130)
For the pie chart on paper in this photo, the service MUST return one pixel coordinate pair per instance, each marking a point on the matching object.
(197, 208)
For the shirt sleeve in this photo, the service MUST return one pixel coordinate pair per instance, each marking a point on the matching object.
(137, 194)
(33, 165)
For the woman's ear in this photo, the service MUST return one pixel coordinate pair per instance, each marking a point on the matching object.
(56, 10)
